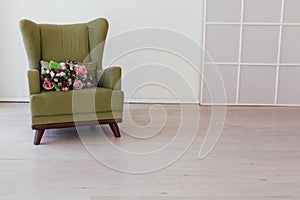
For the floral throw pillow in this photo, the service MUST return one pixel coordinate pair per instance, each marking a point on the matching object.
(67, 75)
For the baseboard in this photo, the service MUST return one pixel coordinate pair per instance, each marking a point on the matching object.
(131, 100)
(14, 99)
(163, 101)
(158, 100)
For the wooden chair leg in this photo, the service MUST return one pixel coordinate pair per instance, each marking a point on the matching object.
(115, 129)
(38, 137)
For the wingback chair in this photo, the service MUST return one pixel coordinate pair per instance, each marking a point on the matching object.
(82, 42)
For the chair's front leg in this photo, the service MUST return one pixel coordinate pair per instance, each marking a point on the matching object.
(115, 129)
(38, 136)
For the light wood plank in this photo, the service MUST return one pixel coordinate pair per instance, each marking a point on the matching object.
(257, 157)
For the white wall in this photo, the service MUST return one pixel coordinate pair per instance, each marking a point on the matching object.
(180, 16)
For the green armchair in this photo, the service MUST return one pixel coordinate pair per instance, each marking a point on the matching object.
(81, 42)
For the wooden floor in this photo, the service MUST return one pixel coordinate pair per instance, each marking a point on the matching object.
(257, 157)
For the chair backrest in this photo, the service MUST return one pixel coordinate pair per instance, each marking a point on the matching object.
(80, 42)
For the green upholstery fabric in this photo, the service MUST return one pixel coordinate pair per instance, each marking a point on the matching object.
(87, 100)
(88, 37)
(97, 35)
(82, 42)
(34, 81)
(110, 78)
(37, 120)
(62, 42)
(32, 42)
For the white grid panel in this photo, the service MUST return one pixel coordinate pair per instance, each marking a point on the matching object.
(272, 28)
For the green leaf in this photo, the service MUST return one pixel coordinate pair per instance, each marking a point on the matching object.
(54, 65)
(56, 87)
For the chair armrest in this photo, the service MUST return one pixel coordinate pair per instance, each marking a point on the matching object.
(34, 81)
(110, 78)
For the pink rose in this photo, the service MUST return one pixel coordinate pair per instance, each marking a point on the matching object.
(77, 85)
(55, 80)
(47, 85)
(80, 70)
(69, 81)
(63, 66)
(65, 89)
(52, 74)
(76, 68)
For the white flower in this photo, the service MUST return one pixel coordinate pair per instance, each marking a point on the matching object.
(58, 74)
(47, 71)
(52, 74)
(62, 73)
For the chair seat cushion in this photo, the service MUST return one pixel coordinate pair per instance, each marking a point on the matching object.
(76, 101)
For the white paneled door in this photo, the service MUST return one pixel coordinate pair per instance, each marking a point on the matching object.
(255, 47)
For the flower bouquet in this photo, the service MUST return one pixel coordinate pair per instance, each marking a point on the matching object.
(65, 76)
